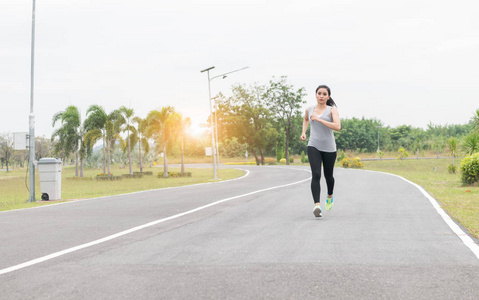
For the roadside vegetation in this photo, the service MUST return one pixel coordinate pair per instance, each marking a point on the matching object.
(14, 193)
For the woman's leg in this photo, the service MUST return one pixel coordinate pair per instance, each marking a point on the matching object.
(329, 158)
(315, 160)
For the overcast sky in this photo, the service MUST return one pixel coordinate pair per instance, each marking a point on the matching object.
(407, 62)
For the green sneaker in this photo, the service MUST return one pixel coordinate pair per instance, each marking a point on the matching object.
(317, 211)
(329, 203)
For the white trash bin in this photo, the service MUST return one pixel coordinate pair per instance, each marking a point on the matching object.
(50, 172)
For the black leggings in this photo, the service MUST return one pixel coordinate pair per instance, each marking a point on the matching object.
(328, 159)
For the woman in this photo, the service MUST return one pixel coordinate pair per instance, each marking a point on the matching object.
(324, 118)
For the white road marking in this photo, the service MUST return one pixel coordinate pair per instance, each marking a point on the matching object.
(119, 234)
(466, 239)
(132, 193)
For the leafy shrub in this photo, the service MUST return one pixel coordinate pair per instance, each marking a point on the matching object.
(470, 169)
(345, 162)
(380, 154)
(451, 169)
(279, 153)
(403, 154)
(341, 156)
(282, 161)
(356, 163)
(303, 157)
(175, 174)
(291, 160)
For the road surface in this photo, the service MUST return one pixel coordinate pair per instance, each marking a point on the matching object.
(250, 238)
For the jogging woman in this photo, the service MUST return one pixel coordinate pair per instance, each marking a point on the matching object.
(324, 118)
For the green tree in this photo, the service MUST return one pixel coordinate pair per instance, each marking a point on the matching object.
(100, 125)
(6, 148)
(140, 138)
(358, 134)
(181, 125)
(70, 134)
(470, 144)
(126, 116)
(452, 147)
(245, 117)
(286, 104)
(160, 127)
(475, 121)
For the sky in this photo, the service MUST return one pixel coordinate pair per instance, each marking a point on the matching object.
(401, 62)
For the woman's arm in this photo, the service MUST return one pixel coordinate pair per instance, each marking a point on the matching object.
(335, 125)
(305, 125)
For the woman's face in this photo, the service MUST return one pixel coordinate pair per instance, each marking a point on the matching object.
(322, 95)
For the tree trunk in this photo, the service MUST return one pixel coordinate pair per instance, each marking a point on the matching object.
(182, 157)
(261, 152)
(255, 157)
(108, 152)
(129, 152)
(141, 165)
(286, 152)
(165, 163)
(104, 157)
(81, 166)
(76, 163)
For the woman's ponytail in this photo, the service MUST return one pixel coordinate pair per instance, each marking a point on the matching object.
(331, 102)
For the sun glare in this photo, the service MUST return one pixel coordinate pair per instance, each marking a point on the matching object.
(196, 130)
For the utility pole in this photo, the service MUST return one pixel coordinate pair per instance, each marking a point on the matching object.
(31, 135)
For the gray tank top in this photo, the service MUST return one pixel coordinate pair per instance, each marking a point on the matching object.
(321, 137)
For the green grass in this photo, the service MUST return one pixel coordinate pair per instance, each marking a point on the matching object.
(460, 202)
(14, 194)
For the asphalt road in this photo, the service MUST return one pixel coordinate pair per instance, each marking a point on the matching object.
(251, 238)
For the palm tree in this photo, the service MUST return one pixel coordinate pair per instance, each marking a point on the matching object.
(182, 124)
(475, 121)
(100, 125)
(112, 133)
(140, 138)
(160, 127)
(470, 144)
(94, 126)
(69, 134)
(127, 114)
(452, 148)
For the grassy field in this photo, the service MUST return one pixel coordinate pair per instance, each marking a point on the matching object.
(14, 193)
(461, 202)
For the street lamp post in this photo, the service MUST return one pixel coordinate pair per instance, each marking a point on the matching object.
(31, 125)
(214, 126)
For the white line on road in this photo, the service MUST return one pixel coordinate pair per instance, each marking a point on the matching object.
(132, 193)
(466, 239)
(119, 234)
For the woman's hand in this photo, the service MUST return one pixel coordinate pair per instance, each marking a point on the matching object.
(316, 118)
(303, 137)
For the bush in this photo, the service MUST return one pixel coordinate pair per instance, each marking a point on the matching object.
(356, 163)
(282, 161)
(303, 157)
(291, 160)
(403, 154)
(451, 169)
(345, 162)
(470, 169)
(175, 174)
(279, 153)
(341, 156)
